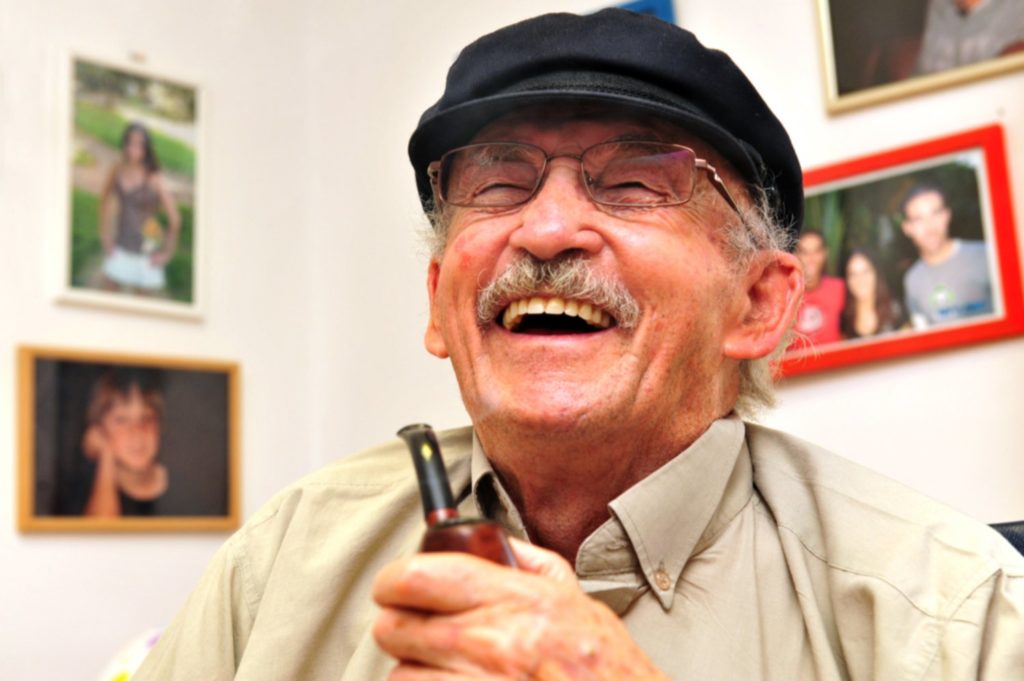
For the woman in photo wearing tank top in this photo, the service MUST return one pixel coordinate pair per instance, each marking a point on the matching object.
(135, 244)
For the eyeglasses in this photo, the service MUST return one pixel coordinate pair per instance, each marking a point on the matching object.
(624, 174)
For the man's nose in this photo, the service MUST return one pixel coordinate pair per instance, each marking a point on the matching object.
(559, 217)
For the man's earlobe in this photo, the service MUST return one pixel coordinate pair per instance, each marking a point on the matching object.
(774, 289)
(433, 340)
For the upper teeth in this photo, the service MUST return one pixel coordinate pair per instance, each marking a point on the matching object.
(518, 309)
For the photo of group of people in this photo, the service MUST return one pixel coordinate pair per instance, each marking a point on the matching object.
(905, 252)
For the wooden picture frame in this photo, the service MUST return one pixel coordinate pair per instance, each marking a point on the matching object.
(861, 207)
(118, 442)
(878, 50)
(131, 235)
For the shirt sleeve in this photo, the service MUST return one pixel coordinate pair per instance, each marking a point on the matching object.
(208, 636)
(984, 639)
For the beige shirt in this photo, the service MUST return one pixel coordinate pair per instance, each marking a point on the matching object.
(752, 555)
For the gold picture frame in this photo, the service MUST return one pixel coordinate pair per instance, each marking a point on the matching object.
(98, 426)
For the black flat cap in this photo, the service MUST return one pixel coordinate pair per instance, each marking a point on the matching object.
(621, 58)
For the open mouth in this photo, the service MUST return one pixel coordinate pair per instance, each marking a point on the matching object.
(553, 315)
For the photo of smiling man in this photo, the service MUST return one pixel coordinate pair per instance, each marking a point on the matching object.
(950, 280)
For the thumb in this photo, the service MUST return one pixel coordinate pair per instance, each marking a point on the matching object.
(541, 561)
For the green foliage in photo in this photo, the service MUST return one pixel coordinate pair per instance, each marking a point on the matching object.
(108, 127)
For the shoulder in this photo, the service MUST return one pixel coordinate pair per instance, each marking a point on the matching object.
(915, 273)
(854, 520)
(359, 485)
(973, 249)
(365, 504)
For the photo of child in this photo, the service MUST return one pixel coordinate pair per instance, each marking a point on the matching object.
(122, 443)
(126, 441)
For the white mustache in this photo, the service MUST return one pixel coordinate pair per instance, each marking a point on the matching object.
(569, 276)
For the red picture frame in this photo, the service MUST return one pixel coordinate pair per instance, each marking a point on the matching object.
(860, 201)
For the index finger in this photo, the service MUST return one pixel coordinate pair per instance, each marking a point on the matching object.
(449, 582)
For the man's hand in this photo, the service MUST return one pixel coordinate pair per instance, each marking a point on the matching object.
(456, 616)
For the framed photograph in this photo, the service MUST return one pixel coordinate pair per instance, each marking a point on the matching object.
(877, 50)
(117, 442)
(907, 251)
(131, 233)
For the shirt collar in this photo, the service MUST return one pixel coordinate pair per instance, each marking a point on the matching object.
(492, 500)
(679, 509)
(656, 525)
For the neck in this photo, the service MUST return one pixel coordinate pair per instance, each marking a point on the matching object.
(143, 485)
(563, 482)
(865, 304)
(940, 254)
(134, 167)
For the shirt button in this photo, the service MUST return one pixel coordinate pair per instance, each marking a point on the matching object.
(662, 579)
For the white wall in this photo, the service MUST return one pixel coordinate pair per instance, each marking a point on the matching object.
(67, 602)
(317, 285)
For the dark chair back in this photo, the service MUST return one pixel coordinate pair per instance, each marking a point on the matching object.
(1014, 533)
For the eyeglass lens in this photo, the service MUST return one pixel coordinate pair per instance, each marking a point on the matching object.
(497, 175)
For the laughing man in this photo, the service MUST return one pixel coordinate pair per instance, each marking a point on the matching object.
(613, 208)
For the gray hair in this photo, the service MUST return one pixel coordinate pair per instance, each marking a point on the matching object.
(760, 229)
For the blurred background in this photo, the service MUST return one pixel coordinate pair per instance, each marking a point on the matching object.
(315, 280)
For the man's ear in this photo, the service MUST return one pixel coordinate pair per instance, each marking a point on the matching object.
(433, 338)
(774, 288)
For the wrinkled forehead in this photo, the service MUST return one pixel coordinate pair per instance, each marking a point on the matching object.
(573, 127)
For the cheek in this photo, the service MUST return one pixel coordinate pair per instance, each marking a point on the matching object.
(473, 257)
(461, 255)
(114, 431)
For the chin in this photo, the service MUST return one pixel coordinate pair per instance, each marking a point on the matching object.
(137, 465)
(564, 412)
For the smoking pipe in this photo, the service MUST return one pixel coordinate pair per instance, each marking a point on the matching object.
(446, 530)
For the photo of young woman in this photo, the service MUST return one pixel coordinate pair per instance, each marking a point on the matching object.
(136, 246)
(133, 230)
(870, 308)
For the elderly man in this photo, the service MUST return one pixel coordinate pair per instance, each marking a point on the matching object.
(612, 204)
